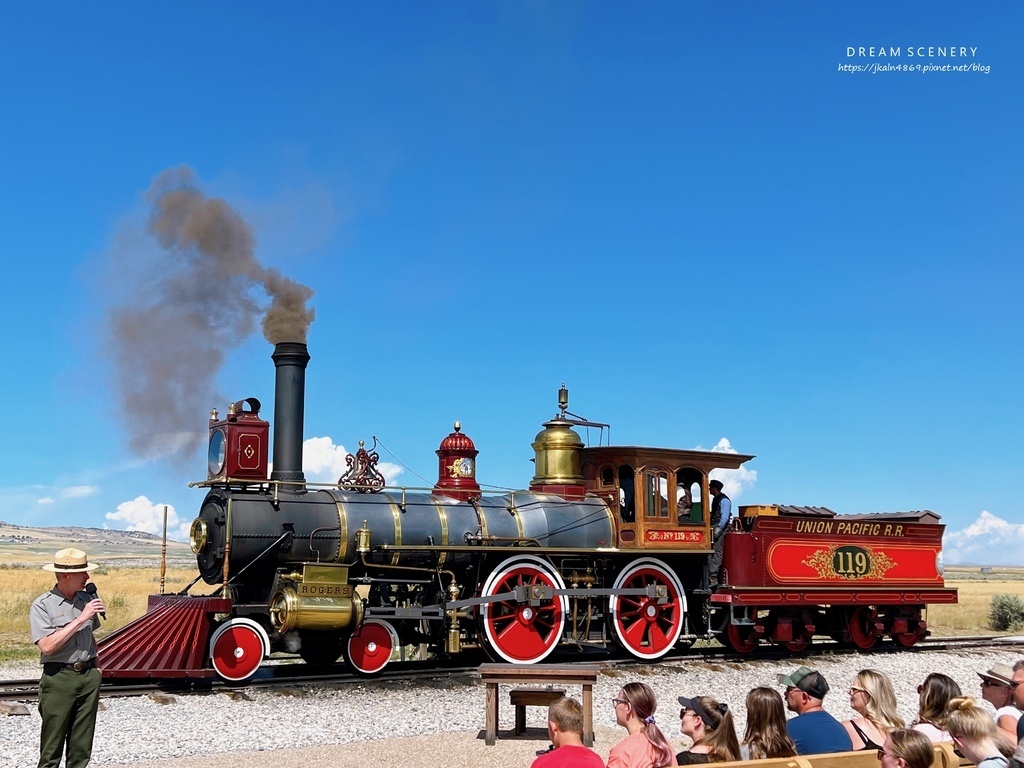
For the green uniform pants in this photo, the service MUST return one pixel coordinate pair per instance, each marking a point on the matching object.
(68, 701)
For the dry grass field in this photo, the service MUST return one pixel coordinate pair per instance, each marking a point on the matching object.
(970, 616)
(126, 589)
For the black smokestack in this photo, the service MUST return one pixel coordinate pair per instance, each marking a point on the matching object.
(182, 307)
(289, 407)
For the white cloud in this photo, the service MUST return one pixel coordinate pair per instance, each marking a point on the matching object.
(79, 491)
(324, 462)
(734, 481)
(989, 540)
(141, 514)
(70, 492)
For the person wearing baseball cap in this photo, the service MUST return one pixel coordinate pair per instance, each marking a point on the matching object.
(62, 622)
(708, 723)
(997, 688)
(813, 730)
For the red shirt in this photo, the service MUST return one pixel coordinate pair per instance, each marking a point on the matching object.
(569, 756)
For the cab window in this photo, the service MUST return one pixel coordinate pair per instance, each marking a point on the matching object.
(689, 505)
(656, 493)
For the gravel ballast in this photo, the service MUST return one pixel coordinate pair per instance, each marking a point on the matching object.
(439, 721)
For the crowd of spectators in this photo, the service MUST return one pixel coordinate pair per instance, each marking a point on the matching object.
(945, 714)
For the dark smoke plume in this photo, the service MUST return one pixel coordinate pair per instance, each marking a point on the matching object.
(170, 339)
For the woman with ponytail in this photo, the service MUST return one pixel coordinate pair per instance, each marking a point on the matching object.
(974, 732)
(645, 746)
(709, 724)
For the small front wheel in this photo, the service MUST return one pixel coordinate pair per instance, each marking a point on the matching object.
(237, 649)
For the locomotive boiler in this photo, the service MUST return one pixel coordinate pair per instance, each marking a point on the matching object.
(598, 551)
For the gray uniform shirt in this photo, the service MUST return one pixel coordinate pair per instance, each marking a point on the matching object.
(50, 612)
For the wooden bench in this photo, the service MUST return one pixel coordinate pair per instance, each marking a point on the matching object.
(944, 757)
(522, 698)
(492, 675)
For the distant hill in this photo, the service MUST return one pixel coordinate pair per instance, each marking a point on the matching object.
(24, 544)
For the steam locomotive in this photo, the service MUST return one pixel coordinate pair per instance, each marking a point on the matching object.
(598, 551)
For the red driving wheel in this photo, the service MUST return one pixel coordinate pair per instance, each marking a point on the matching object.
(523, 632)
(648, 627)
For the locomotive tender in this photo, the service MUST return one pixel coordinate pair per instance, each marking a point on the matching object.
(595, 552)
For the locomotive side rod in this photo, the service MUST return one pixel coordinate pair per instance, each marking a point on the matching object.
(536, 593)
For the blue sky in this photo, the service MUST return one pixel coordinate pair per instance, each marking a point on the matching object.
(686, 211)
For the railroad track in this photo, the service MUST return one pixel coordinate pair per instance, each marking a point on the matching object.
(295, 675)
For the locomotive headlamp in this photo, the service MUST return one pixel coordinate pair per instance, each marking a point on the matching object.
(198, 535)
(218, 452)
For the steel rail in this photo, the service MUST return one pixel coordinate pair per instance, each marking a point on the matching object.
(285, 675)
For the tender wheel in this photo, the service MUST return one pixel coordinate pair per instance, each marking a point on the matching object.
(237, 649)
(906, 639)
(370, 646)
(862, 628)
(917, 629)
(523, 633)
(798, 631)
(643, 626)
(739, 638)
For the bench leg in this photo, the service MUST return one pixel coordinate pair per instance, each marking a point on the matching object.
(520, 720)
(491, 727)
(588, 715)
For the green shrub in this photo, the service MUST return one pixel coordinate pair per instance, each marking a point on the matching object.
(1007, 613)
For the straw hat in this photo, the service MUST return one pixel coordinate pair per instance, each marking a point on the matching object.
(1000, 674)
(69, 561)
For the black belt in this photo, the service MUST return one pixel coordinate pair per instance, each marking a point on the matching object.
(79, 666)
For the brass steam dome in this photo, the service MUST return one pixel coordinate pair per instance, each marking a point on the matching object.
(557, 450)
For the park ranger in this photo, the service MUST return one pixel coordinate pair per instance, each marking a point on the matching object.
(62, 622)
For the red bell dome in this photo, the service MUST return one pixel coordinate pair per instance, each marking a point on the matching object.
(456, 468)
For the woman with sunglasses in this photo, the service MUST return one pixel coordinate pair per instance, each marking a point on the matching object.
(709, 724)
(934, 695)
(645, 746)
(975, 734)
(906, 748)
(873, 698)
(766, 727)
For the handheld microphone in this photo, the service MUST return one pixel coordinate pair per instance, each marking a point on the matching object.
(91, 589)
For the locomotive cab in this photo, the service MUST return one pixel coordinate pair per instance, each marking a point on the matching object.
(658, 494)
